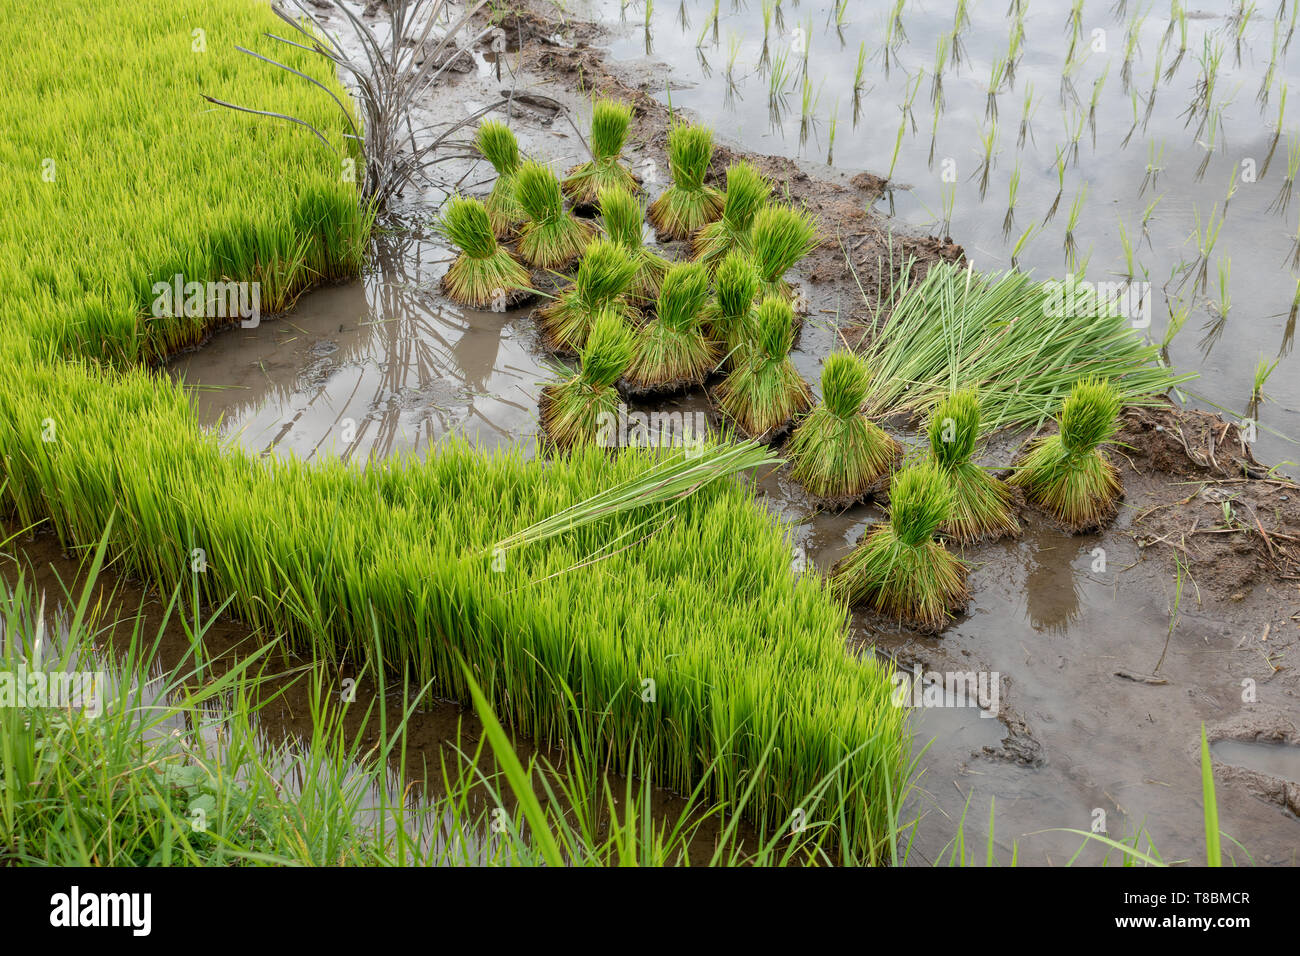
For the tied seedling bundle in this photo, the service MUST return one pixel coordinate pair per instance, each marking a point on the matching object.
(747, 192)
(551, 237)
(836, 452)
(688, 204)
(610, 120)
(484, 274)
(622, 214)
(981, 504)
(781, 237)
(575, 411)
(672, 351)
(764, 391)
(604, 274)
(496, 142)
(900, 569)
(1066, 473)
(730, 317)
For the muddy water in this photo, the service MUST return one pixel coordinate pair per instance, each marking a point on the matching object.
(733, 94)
(1275, 760)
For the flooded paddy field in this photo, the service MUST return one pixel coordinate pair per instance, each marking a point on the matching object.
(1108, 650)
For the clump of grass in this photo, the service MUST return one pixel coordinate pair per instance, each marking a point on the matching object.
(621, 214)
(484, 275)
(747, 191)
(688, 204)
(981, 505)
(604, 274)
(1066, 473)
(496, 141)
(763, 391)
(672, 350)
(837, 453)
(900, 569)
(781, 237)
(729, 318)
(573, 412)
(610, 120)
(551, 238)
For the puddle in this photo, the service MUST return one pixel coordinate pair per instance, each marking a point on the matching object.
(1271, 759)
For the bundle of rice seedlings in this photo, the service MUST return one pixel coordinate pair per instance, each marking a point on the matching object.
(551, 238)
(672, 350)
(496, 141)
(622, 214)
(688, 204)
(1066, 473)
(484, 273)
(981, 506)
(609, 123)
(747, 191)
(836, 452)
(604, 274)
(729, 318)
(572, 410)
(899, 569)
(764, 391)
(780, 237)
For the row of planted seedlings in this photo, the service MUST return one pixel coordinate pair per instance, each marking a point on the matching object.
(642, 325)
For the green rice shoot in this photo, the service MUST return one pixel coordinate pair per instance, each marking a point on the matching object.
(747, 192)
(672, 349)
(496, 142)
(688, 204)
(622, 216)
(550, 238)
(485, 274)
(764, 391)
(981, 503)
(605, 272)
(782, 235)
(572, 410)
(610, 120)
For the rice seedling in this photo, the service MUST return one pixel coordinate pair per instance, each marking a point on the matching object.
(1215, 124)
(1015, 41)
(808, 101)
(988, 140)
(1211, 59)
(1151, 94)
(936, 73)
(836, 452)
(1155, 159)
(1020, 343)
(1097, 85)
(1075, 134)
(672, 351)
(1177, 319)
(830, 134)
(550, 238)
(1290, 30)
(1132, 38)
(1074, 24)
(484, 275)
(1205, 239)
(689, 203)
(605, 273)
(897, 31)
(981, 504)
(622, 215)
(496, 142)
(768, 7)
(1013, 187)
(1239, 22)
(1219, 310)
(1181, 18)
(649, 37)
(1266, 81)
(1133, 102)
(900, 569)
(573, 412)
(1021, 243)
(1072, 222)
(1277, 133)
(780, 237)
(909, 97)
(961, 18)
(1026, 116)
(1066, 473)
(763, 391)
(1060, 186)
(997, 75)
(949, 200)
(1283, 198)
(1148, 213)
(1263, 369)
(729, 318)
(1288, 333)
(610, 120)
(860, 70)
(1126, 246)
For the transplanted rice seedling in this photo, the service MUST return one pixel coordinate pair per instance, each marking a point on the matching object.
(688, 204)
(672, 351)
(484, 275)
(763, 391)
(729, 317)
(1263, 369)
(981, 504)
(573, 412)
(782, 235)
(496, 141)
(610, 120)
(551, 238)
(900, 569)
(604, 275)
(1283, 198)
(837, 453)
(622, 214)
(747, 193)
(1066, 473)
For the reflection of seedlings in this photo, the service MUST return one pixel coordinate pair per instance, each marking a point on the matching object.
(858, 88)
(1277, 131)
(1131, 40)
(604, 276)
(1060, 185)
(1214, 328)
(1097, 85)
(782, 236)
(1133, 99)
(1026, 116)
(671, 348)
(936, 75)
(497, 143)
(900, 569)
(1266, 82)
(572, 411)
(837, 452)
(1239, 21)
(484, 271)
(1154, 159)
(934, 136)
(1283, 198)
(949, 200)
(1072, 223)
(777, 79)
(808, 101)
(768, 6)
(961, 18)
(1290, 30)
(610, 120)
(981, 503)
(779, 15)
(1015, 40)
(747, 192)
(830, 140)
(1182, 43)
(1068, 72)
(649, 12)
(897, 31)
(764, 391)
(551, 237)
(1295, 248)
(683, 18)
(1074, 23)
(997, 73)
(1151, 96)
(688, 203)
(1216, 121)
(841, 17)
(1065, 473)
(1014, 187)
(1288, 334)
(807, 45)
